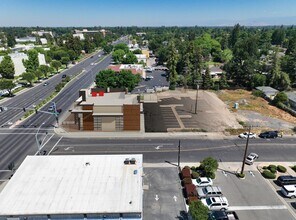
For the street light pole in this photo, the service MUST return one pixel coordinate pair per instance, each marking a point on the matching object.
(246, 150)
(197, 87)
(36, 137)
(179, 152)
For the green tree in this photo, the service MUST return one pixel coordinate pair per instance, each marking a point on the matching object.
(130, 58)
(121, 46)
(74, 44)
(128, 80)
(7, 84)
(118, 56)
(10, 40)
(278, 36)
(198, 210)
(29, 77)
(279, 79)
(235, 34)
(65, 61)
(32, 63)
(44, 69)
(207, 82)
(281, 97)
(209, 165)
(88, 45)
(38, 74)
(107, 78)
(258, 80)
(7, 68)
(137, 51)
(223, 82)
(107, 48)
(56, 65)
(172, 64)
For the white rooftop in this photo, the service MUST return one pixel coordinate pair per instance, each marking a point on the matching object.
(112, 99)
(74, 184)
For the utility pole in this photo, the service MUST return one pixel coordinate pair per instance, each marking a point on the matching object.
(36, 137)
(179, 152)
(196, 98)
(246, 150)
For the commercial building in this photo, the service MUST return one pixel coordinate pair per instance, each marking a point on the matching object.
(25, 39)
(77, 187)
(134, 68)
(41, 33)
(96, 110)
(141, 58)
(17, 59)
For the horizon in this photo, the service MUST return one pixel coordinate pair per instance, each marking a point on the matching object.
(115, 13)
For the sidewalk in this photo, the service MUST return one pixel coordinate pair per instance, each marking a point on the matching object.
(175, 135)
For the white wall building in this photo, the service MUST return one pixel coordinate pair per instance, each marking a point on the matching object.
(141, 57)
(75, 187)
(43, 41)
(22, 47)
(17, 59)
(42, 32)
(80, 36)
(25, 39)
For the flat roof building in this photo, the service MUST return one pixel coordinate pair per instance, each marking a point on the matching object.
(75, 187)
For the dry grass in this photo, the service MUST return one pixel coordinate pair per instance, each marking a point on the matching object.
(253, 103)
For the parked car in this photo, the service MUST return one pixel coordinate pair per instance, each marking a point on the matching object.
(245, 135)
(50, 109)
(251, 158)
(269, 134)
(216, 203)
(289, 191)
(45, 84)
(203, 181)
(209, 191)
(64, 76)
(223, 215)
(286, 180)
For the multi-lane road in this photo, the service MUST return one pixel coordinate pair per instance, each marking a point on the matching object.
(17, 143)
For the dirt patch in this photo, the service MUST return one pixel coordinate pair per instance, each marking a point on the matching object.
(252, 103)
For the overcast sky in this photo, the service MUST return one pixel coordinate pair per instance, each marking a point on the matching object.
(146, 12)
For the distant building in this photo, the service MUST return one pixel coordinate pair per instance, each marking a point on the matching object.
(268, 91)
(134, 68)
(133, 47)
(25, 39)
(141, 58)
(98, 110)
(17, 59)
(292, 99)
(22, 47)
(146, 52)
(141, 33)
(43, 41)
(77, 187)
(215, 71)
(80, 36)
(41, 33)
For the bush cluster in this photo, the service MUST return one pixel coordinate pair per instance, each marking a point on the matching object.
(240, 175)
(268, 174)
(281, 169)
(194, 174)
(294, 168)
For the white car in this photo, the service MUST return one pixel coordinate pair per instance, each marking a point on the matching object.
(245, 135)
(251, 158)
(289, 191)
(203, 181)
(209, 191)
(216, 203)
(149, 77)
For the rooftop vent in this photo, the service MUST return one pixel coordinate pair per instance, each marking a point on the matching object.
(126, 161)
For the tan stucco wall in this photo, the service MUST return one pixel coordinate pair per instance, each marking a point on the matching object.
(107, 109)
(108, 124)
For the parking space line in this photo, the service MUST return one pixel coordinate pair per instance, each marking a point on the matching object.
(267, 207)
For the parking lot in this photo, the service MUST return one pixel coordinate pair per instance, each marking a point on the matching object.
(158, 80)
(163, 197)
(252, 197)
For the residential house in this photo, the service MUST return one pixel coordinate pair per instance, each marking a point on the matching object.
(25, 39)
(141, 58)
(292, 99)
(268, 91)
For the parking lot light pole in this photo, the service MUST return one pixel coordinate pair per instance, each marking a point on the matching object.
(246, 150)
(179, 152)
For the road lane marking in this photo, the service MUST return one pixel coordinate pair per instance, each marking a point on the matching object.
(156, 197)
(54, 146)
(264, 207)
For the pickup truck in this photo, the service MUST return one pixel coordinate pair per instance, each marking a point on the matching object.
(223, 215)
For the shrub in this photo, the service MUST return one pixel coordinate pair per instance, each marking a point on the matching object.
(209, 164)
(257, 93)
(271, 166)
(194, 175)
(187, 181)
(240, 175)
(265, 167)
(273, 170)
(210, 175)
(294, 168)
(186, 167)
(193, 168)
(268, 175)
(281, 169)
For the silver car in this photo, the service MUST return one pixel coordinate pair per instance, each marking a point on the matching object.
(209, 191)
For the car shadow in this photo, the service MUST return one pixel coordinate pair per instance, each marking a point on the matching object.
(227, 171)
(183, 216)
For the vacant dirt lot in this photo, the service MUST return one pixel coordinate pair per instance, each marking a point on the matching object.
(256, 110)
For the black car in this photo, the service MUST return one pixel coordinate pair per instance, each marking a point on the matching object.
(269, 134)
(64, 76)
(286, 180)
(223, 215)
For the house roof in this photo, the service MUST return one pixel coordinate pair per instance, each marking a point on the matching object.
(267, 90)
(74, 184)
(291, 96)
